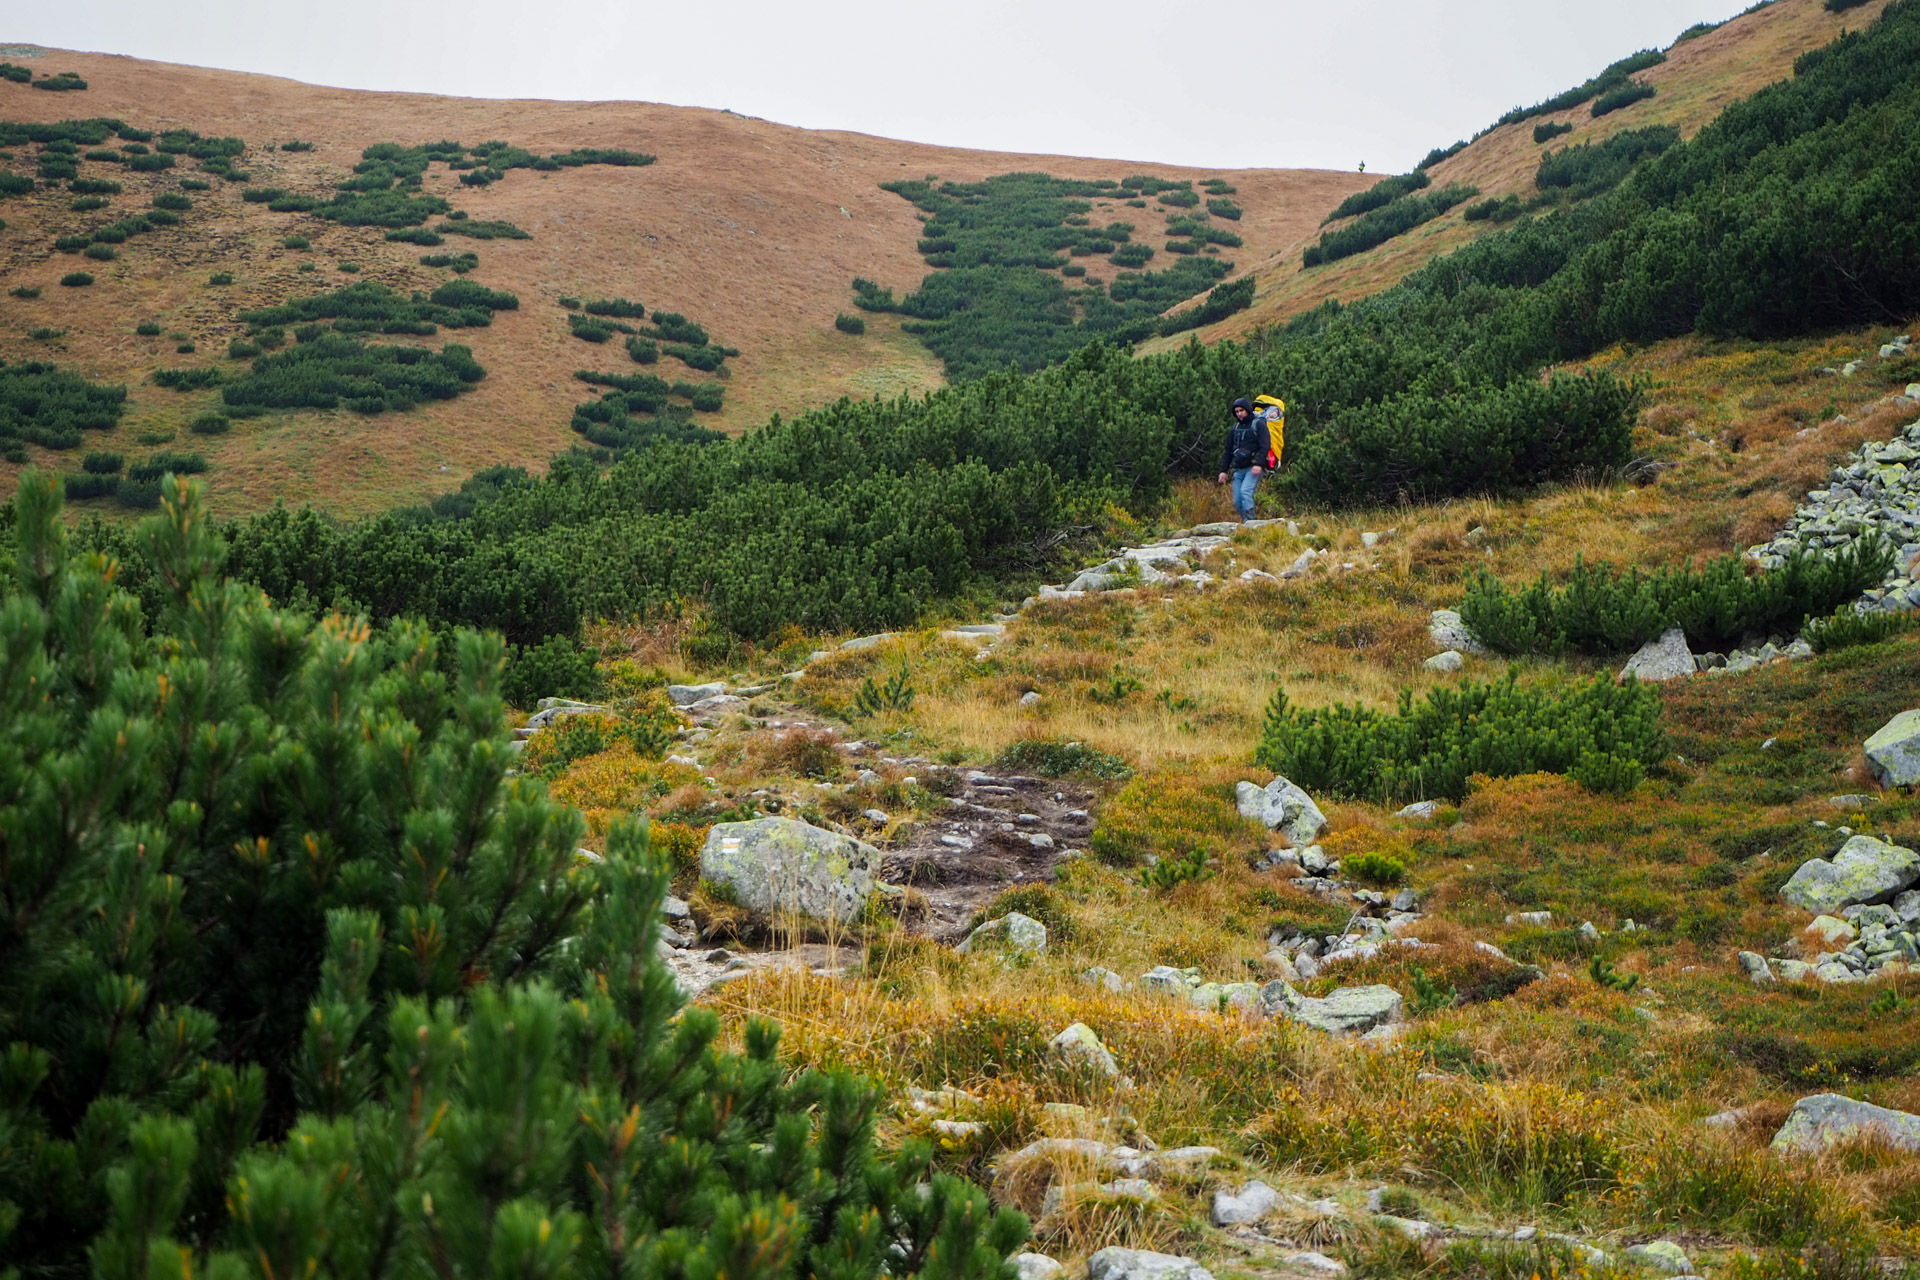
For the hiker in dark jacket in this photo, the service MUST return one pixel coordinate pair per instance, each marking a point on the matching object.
(1245, 458)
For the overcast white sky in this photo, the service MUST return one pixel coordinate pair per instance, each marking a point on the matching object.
(1220, 83)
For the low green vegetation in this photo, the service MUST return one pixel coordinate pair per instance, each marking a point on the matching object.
(1495, 209)
(94, 187)
(1848, 627)
(1379, 195)
(60, 82)
(458, 263)
(1615, 76)
(852, 324)
(1622, 96)
(1438, 154)
(370, 307)
(996, 299)
(1374, 228)
(1224, 300)
(41, 405)
(1593, 167)
(477, 229)
(331, 370)
(1602, 610)
(87, 204)
(16, 73)
(1602, 734)
(76, 279)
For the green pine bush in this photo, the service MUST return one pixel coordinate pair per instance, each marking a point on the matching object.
(94, 187)
(588, 329)
(1847, 627)
(147, 329)
(617, 307)
(1604, 611)
(76, 279)
(1624, 96)
(296, 145)
(857, 325)
(87, 204)
(220, 278)
(102, 463)
(327, 370)
(390, 1023)
(1224, 208)
(476, 229)
(1601, 734)
(296, 242)
(643, 350)
(416, 235)
(1549, 131)
(99, 252)
(24, 291)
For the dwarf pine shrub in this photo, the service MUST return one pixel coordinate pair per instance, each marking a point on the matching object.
(416, 235)
(1624, 96)
(1549, 131)
(1602, 610)
(588, 329)
(296, 242)
(94, 187)
(476, 229)
(330, 370)
(857, 325)
(99, 253)
(617, 307)
(87, 204)
(220, 278)
(76, 279)
(1601, 734)
(643, 350)
(157, 162)
(296, 145)
(519, 1097)
(1848, 627)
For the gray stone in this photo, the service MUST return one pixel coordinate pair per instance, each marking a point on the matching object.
(1894, 752)
(1301, 564)
(1850, 803)
(1283, 807)
(1865, 870)
(1663, 1256)
(1419, 809)
(1411, 1228)
(780, 865)
(1105, 979)
(865, 642)
(1257, 575)
(685, 695)
(1078, 1046)
(1907, 906)
(1756, 967)
(1010, 932)
(1115, 1263)
(1667, 658)
(552, 709)
(674, 909)
(879, 817)
(1447, 631)
(1447, 662)
(1823, 1119)
(1406, 900)
(1250, 1204)
(1036, 1266)
(1165, 978)
(1320, 1262)
(1532, 919)
(1029, 698)
(1348, 1010)
(1314, 859)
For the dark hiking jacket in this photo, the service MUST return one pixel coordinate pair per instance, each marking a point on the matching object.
(1248, 443)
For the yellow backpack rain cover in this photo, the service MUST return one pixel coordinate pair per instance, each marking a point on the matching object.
(1274, 409)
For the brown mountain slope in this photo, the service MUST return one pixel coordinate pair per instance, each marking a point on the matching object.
(1699, 79)
(751, 228)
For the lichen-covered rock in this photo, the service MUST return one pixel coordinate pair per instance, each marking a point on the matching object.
(1115, 1263)
(779, 865)
(1447, 631)
(1823, 1119)
(1662, 1255)
(1249, 1204)
(1036, 1266)
(1894, 752)
(685, 695)
(1283, 807)
(1011, 932)
(1349, 1010)
(1079, 1046)
(1865, 870)
(1756, 966)
(1666, 658)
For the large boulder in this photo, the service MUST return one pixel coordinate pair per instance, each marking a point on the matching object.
(1250, 1204)
(1079, 1046)
(1346, 1011)
(1115, 1263)
(1667, 658)
(685, 695)
(1894, 752)
(1865, 870)
(778, 865)
(1010, 932)
(1283, 807)
(1662, 1255)
(1823, 1119)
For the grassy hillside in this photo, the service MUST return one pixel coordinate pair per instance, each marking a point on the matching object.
(751, 228)
(1700, 76)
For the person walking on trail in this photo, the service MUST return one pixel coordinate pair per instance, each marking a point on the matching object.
(1245, 459)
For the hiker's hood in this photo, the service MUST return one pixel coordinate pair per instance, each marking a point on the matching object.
(1243, 403)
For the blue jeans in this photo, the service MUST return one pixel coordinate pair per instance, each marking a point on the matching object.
(1244, 483)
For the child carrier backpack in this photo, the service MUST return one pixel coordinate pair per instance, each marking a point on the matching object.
(1274, 410)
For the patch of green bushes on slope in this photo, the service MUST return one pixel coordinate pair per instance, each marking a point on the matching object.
(352, 807)
(41, 405)
(330, 370)
(1373, 229)
(1614, 77)
(1593, 167)
(371, 307)
(996, 300)
(1604, 611)
(1601, 734)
